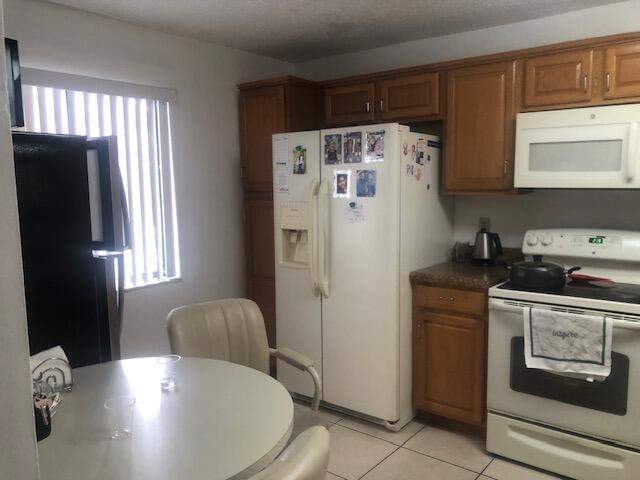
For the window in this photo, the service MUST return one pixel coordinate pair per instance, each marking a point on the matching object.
(142, 126)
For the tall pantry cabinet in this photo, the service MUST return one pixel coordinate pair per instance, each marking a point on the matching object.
(266, 107)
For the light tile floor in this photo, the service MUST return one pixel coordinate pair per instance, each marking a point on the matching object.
(361, 450)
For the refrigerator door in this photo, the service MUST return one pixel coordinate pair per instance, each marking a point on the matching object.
(296, 172)
(358, 268)
(55, 233)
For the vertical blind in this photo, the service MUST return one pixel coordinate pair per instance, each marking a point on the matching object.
(142, 127)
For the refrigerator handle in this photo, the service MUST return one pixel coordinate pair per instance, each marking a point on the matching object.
(311, 194)
(323, 223)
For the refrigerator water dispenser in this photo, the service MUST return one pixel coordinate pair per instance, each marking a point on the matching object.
(295, 231)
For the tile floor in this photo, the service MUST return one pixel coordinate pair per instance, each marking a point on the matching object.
(360, 450)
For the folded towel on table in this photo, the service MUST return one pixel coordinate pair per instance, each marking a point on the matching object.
(568, 343)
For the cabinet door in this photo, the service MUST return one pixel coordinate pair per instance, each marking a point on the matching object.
(350, 104)
(622, 71)
(260, 260)
(263, 292)
(449, 365)
(558, 78)
(412, 96)
(259, 236)
(262, 113)
(479, 127)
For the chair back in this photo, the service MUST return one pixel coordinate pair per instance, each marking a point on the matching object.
(230, 329)
(306, 458)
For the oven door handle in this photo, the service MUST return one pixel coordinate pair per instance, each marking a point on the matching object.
(495, 304)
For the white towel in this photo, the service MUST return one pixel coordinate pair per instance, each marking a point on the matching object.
(52, 358)
(568, 343)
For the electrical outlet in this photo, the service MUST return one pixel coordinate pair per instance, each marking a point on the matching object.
(485, 222)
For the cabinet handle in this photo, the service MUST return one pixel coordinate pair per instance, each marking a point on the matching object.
(585, 82)
(451, 299)
(505, 168)
(381, 105)
(368, 106)
(608, 81)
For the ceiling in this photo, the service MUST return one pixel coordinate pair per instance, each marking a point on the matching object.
(298, 30)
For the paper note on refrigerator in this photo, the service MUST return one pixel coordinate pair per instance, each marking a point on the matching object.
(354, 212)
(281, 184)
(280, 161)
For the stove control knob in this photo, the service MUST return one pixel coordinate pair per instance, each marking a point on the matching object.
(546, 240)
(532, 240)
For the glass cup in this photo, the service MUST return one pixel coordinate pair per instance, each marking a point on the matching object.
(168, 364)
(120, 416)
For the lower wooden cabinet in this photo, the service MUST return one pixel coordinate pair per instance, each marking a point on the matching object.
(449, 365)
(260, 260)
(263, 292)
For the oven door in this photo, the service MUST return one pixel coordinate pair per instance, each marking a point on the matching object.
(608, 410)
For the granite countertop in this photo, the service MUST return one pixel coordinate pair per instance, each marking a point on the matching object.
(466, 275)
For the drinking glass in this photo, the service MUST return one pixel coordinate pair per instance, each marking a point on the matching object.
(168, 364)
(120, 416)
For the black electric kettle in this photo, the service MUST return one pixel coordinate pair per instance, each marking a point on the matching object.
(487, 247)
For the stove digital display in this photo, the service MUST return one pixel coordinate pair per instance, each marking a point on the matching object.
(596, 240)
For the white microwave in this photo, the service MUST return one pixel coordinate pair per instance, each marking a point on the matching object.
(595, 147)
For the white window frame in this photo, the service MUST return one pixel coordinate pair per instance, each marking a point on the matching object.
(140, 116)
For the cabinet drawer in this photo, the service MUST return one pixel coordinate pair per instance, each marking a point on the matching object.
(450, 299)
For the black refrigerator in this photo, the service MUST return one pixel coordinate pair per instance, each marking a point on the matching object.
(74, 229)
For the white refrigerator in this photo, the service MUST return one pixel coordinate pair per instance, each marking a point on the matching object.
(356, 210)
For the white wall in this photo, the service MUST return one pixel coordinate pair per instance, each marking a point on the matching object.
(592, 22)
(18, 457)
(510, 215)
(205, 135)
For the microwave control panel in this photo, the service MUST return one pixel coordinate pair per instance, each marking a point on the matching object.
(583, 243)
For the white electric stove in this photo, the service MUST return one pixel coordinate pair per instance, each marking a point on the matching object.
(581, 429)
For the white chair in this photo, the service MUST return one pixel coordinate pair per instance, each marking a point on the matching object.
(306, 458)
(232, 330)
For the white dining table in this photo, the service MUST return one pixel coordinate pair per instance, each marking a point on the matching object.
(222, 421)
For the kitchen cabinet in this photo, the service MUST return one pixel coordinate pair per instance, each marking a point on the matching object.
(268, 107)
(559, 78)
(622, 71)
(479, 128)
(262, 113)
(409, 97)
(349, 104)
(449, 353)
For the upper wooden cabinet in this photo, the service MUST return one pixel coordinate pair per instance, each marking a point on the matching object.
(349, 104)
(479, 128)
(262, 113)
(268, 107)
(622, 71)
(559, 78)
(410, 97)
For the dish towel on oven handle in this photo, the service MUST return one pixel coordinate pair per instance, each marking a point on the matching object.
(568, 343)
